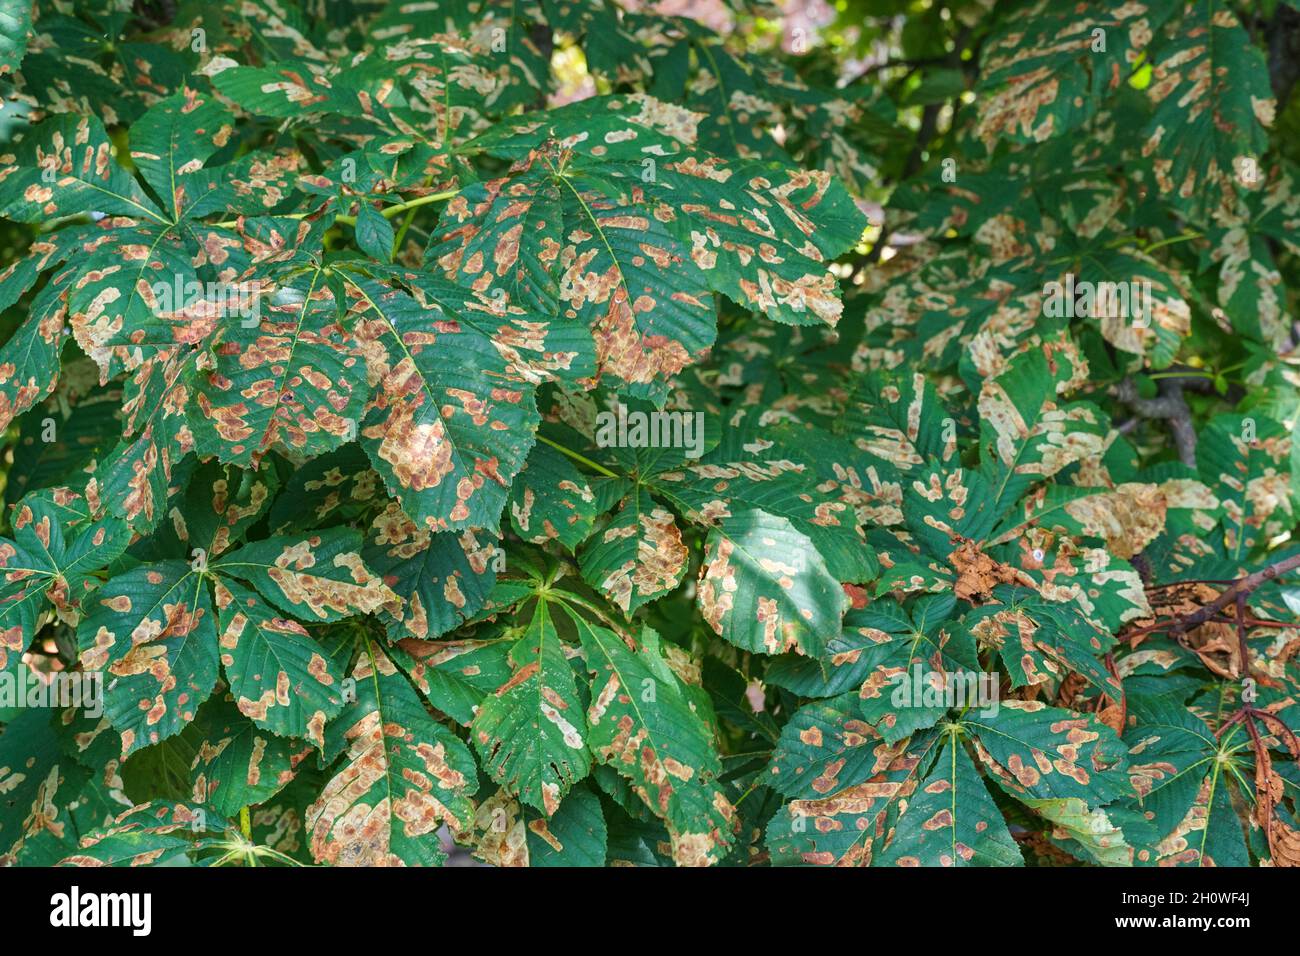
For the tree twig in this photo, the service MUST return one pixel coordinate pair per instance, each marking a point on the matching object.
(1170, 406)
(1239, 590)
(1284, 53)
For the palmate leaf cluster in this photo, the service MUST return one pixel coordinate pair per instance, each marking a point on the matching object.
(312, 314)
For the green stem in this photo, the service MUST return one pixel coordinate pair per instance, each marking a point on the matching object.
(388, 213)
(277, 856)
(568, 597)
(754, 786)
(1171, 240)
(1198, 373)
(406, 224)
(245, 823)
(418, 201)
(581, 459)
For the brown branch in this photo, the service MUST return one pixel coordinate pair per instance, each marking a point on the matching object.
(1113, 669)
(914, 64)
(1275, 723)
(929, 126)
(1169, 406)
(1238, 591)
(1243, 648)
(1283, 53)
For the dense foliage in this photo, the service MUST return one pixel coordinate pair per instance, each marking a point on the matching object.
(566, 430)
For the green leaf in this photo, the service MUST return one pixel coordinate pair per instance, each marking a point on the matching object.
(708, 492)
(235, 764)
(15, 25)
(551, 500)
(40, 783)
(292, 88)
(850, 827)
(1041, 641)
(48, 567)
(150, 833)
(1145, 310)
(403, 774)
(1027, 433)
(446, 428)
(951, 820)
(137, 299)
(332, 488)
(374, 233)
(456, 676)
(137, 475)
(642, 723)
(877, 643)
(530, 734)
(918, 669)
(1246, 460)
(29, 360)
(651, 227)
(1048, 70)
(65, 166)
(618, 271)
(169, 145)
(1093, 830)
(154, 633)
(1047, 753)
(574, 836)
(1183, 777)
(218, 508)
(281, 679)
(900, 419)
(1212, 104)
(440, 579)
(638, 556)
(764, 587)
(319, 577)
(286, 376)
(826, 747)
